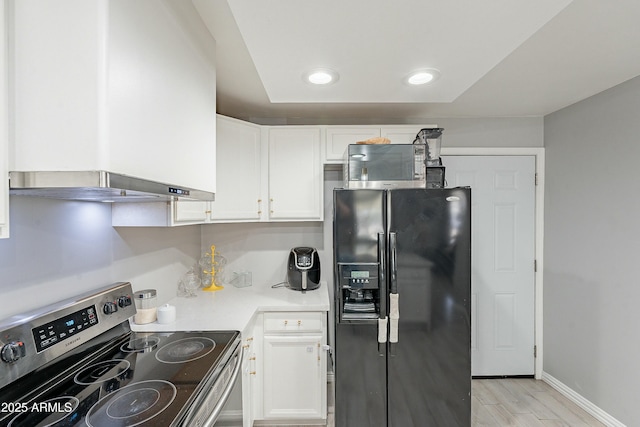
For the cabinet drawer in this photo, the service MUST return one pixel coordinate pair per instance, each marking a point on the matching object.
(293, 322)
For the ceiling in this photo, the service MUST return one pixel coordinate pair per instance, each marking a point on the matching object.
(504, 58)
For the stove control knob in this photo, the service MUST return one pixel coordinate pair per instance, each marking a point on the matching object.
(12, 351)
(109, 308)
(124, 301)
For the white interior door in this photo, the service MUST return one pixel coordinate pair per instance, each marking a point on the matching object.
(502, 260)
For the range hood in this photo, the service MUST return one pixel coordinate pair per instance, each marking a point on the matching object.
(98, 186)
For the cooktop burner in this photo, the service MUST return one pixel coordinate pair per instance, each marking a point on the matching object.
(141, 345)
(132, 405)
(185, 350)
(102, 371)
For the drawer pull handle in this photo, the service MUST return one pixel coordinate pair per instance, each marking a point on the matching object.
(250, 339)
(252, 373)
(286, 322)
(299, 322)
(246, 346)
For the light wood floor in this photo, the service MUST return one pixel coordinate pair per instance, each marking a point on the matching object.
(516, 402)
(526, 403)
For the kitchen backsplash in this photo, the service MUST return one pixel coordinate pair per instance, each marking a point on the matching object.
(58, 249)
(263, 247)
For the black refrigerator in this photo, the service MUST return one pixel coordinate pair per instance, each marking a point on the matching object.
(403, 307)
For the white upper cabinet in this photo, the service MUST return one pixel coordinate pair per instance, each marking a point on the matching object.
(264, 174)
(4, 130)
(339, 137)
(295, 173)
(119, 85)
(404, 134)
(267, 173)
(239, 171)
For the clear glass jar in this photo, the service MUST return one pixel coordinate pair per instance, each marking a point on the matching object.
(146, 306)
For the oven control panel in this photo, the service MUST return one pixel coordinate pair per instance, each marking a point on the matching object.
(32, 339)
(64, 328)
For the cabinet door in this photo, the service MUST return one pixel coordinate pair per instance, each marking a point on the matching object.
(115, 82)
(294, 377)
(4, 198)
(339, 137)
(188, 211)
(238, 171)
(249, 372)
(4, 141)
(295, 174)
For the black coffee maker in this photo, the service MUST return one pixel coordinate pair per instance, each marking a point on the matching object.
(304, 269)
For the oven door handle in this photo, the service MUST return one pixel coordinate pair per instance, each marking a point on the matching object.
(211, 419)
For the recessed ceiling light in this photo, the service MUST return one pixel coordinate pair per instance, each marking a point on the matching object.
(321, 76)
(422, 77)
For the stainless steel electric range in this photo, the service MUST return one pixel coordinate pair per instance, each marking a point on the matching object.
(77, 363)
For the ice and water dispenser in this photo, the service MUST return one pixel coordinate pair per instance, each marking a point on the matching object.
(360, 291)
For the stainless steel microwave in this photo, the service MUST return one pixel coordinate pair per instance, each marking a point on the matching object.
(385, 166)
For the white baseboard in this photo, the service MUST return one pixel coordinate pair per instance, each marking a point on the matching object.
(579, 400)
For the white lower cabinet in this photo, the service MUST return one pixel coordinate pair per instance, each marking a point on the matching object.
(249, 373)
(293, 383)
(294, 367)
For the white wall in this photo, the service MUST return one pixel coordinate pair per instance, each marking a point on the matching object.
(59, 249)
(592, 242)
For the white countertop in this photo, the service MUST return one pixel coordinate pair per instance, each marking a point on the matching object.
(233, 308)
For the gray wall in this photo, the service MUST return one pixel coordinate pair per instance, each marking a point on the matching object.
(459, 132)
(59, 249)
(592, 243)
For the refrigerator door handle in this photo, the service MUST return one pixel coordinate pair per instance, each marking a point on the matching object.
(394, 316)
(382, 330)
(393, 266)
(382, 274)
(394, 305)
(383, 321)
